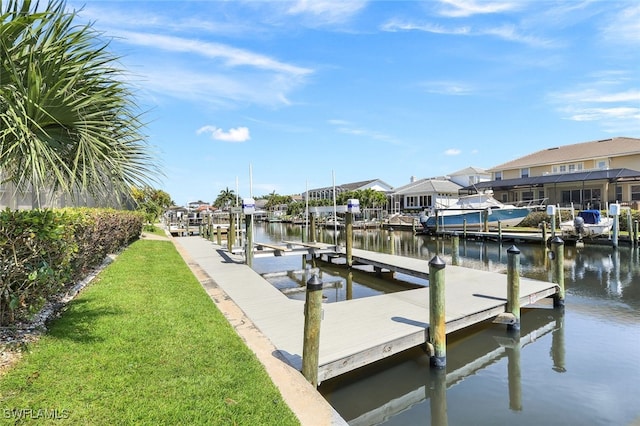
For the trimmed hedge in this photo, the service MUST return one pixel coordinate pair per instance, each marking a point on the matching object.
(43, 251)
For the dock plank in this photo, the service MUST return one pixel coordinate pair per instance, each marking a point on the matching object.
(357, 332)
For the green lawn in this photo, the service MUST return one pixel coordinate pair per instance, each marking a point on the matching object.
(143, 344)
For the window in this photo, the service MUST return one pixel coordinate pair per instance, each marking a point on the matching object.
(601, 164)
(635, 192)
(498, 176)
(563, 168)
(572, 168)
(524, 173)
(527, 196)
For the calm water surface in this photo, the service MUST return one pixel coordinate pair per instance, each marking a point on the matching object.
(579, 366)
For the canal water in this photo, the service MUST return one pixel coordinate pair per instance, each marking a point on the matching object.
(576, 366)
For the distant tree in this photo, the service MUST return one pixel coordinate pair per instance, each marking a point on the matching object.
(226, 197)
(153, 202)
(274, 200)
(68, 121)
(369, 198)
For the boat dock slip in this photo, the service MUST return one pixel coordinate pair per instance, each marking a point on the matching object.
(358, 332)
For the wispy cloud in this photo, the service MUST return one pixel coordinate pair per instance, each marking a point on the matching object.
(349, 128)
(466, 8)
(624, 27)
(448, 88)
(231, 56)
(608, 101)
(452, 151)
(237, 134)
(327, 11)
(505, 32)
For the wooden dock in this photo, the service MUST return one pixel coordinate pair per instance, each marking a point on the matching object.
(358, 332)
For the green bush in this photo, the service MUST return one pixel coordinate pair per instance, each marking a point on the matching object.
(42, 251)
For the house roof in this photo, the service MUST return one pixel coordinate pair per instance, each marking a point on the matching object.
(612, 175)
(470, 171)
(575, 152)
(424, 186)
(352, 186)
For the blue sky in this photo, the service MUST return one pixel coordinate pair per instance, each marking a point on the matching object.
(282, 95)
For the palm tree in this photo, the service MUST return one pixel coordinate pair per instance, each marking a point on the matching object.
(68, 123)
(226, 197)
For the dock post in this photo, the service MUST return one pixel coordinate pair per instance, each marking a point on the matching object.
(557, 248)
(636, 234)
(616, 231)
(437, 319)
(455, 249)
(500, 231)
(464, 228)
(219, 234)
(513, 287)
(485, 220)
(348, 223)
(544, 233)
(312, 228)
(186, 226)
(312, 318)
(630, 226)
(248, 249)
(231, 232)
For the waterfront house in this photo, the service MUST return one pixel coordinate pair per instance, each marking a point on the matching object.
(326, 193)
(585, 175)
(424, 194)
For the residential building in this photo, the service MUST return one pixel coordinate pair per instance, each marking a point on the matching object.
(424, 194)
(585, 175)
(326, 193)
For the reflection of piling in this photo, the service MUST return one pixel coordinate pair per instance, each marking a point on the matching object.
(348, 223)
(616, 230)
(437, 320)
(557, 248)
(513, 287)
(312, 318)
(558, 346)
(349, 285)
(514, 375)
(391, 239)
(455, 249)
(438, 397)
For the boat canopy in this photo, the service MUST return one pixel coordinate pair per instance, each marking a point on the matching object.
(591, 217)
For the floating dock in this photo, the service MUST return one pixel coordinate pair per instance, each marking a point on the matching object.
(358, 332)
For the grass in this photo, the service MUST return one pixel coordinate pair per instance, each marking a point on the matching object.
(143, 344)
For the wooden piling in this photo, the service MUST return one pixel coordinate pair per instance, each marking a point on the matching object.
(636, 233)
(348, 223)
(513, 286)
(500, 231)
(455, 249)
(437, 320)
(544, 233)
(630, 226)
(248, 249)
(464, 228)
(557, 248)
(312, 319)
(485, 220)
(231, 232)
(219, 234)
(312, 228)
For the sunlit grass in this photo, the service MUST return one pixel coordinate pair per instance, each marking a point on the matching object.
(144, 344)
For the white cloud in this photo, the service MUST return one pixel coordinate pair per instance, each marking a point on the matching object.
(327, 11)
(231, 56)
(452, 151)
(351, 129)
(505, 32)
(465, 8)
(237, 134)
(606, 99)
(448, 88)
(624, 27)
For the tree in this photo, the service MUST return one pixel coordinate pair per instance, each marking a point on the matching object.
(153, 202)
(226, 197)
(68, 122)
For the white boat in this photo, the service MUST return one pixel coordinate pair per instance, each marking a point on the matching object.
(472, 209)
(588, 224)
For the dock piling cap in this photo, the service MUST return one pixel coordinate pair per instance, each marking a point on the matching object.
(437, 262)
(513, 250)
(314, 283)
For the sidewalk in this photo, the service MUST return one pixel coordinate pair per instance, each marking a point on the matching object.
(303, 399)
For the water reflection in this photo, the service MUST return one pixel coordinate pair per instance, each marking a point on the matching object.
(408, 382)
